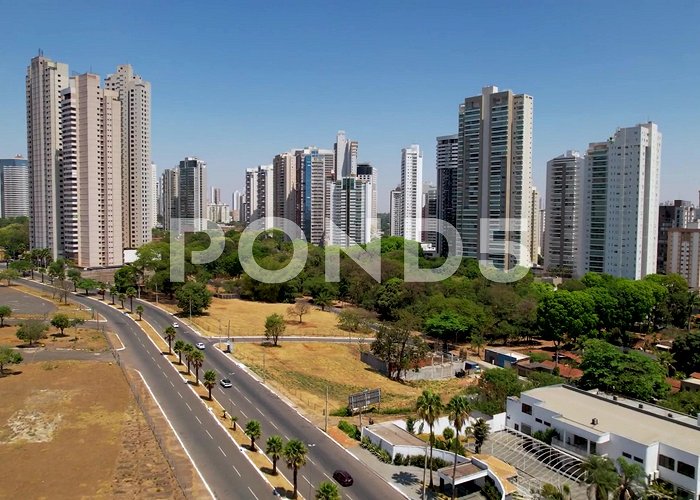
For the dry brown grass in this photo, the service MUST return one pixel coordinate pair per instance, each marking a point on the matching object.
(248, 318)
(54, 305)
(88, 339)
(62, 435)
(303, 371)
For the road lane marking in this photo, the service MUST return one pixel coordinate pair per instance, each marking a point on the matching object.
(261, 413)
(244, 415)
(171, 383)
(274, 425)
(222, 451)
(208, 433)
(329, 477)
(234, 468)
(178, 393)
(188, 406)
(246, 398)
(200, 422)
(310, 484)
(286, 437)
(310, 460)
(251, 492)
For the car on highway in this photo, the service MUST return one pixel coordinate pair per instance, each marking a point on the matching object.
(176, 325)
(343, 477)
(200, 345)
(225, 382)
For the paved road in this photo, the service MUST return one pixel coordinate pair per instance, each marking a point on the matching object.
(317, 339)
(226, 471)
(31, 354)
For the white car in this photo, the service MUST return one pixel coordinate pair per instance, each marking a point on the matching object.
(176, 325)
(200, 345)
(225, 382)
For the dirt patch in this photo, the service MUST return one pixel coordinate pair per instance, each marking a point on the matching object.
(64, 435)
(84, 339)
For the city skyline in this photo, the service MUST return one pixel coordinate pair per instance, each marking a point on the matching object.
(376, 104)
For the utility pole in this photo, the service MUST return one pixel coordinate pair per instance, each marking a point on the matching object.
(425, 468)
(264, 370)
(325, 427)
(190, 310)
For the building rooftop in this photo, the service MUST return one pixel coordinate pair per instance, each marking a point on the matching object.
(508, 352)
(395, 435)
(640, 422)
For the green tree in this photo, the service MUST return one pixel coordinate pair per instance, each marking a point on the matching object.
(8, 275)
(390, 299)
(139, 311)
(31, 330)
(480, 431)
(193, 295)
(686, 352)
(327, 491)
(61, 321)
(429, 408)
(209, 381)
(323, 299)
(687, 402)
(197, 360)
(274, 327)
(632, 480)
(74, 276)
(122, 298)
(350, 320)
(477, 341)
(234, 419)
(398, 348)
(600, 475)
(8, 356)
(253, 431)
(449, 326)
(87, 285)
(458, 410)
(126, 277)
(113, 292)
(551, 492)
(300, 309)
(131, 293)
(274, 448)
(5, 312)
(169, 335)
(179, 348)
(295, 455)
(188, 351)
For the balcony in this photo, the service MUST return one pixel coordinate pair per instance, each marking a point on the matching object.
(579, 450)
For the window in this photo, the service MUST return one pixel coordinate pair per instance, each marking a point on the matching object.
(626, 455)
(640, 460)
(686, 469)
(538, 420)
(527, 409)
(667, 462)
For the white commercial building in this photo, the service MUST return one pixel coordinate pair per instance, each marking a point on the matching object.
(665, 443)
(563, 205)
(412, 193)
(494, 177)
(621, 203)
(91, 192)
(351, 200)
(136, 169)
(154, 195)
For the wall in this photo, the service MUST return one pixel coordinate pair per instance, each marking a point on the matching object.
(434, 372)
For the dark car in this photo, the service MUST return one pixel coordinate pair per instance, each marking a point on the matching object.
(343, 477)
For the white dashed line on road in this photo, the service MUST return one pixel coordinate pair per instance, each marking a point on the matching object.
(178, 393)
(171, 383)
(200, 422)
(222, 451)
(275, 426)
(244, 415)
(310, 460)
(234, 468)
(210, 437)
(251, 492)
(261, 413)
(246, 398)
(188, 406)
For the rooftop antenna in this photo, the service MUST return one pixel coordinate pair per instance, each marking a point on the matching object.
(41, 52)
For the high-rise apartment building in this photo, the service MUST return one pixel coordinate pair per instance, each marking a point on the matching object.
(259, 194)
(621, 203)
(429, 226)
(192, 194)
(284, 192)
(135, 95)
(446, 162)
(367, 173)
(680, 214)
(494, 177)
(412, 195)
(236, 201)
(345, 156)
(45, 81)
(395, 211)
(170, 187)
(314, 166)
(154, 195)
(683, 253)
(351, 200)
(563, 209)
(14, 187)
(91, 187)
(215, 195)
(535, 241)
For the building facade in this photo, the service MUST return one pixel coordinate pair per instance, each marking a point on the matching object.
(314, 168)
(192, 194)
(446, 162)
(494, 177)
(396, 212)
(683, 253)
(136, 170)
(14, 187)
(45, 81)
(679, 213)
(563, 208)
(535, 240)
(351, 203)
(412, 192)
(170, 186)
(345, 156)
(368, 174)
(429, 227)
(91, 163)
(284, 192)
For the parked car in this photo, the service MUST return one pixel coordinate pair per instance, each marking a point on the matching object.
(225, 382)
(200, 345)
(176, 325)
(343, 477)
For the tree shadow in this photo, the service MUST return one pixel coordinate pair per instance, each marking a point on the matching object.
(8, 372)
(405, 478)
(267, 470)
(284, 492)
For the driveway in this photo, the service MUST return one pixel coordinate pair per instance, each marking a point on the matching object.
(24, 303)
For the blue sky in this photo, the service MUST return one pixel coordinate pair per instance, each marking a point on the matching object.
(237, 82)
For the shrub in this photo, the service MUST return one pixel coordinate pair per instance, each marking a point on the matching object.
(350, 429)
(398, 459)
(341, 412)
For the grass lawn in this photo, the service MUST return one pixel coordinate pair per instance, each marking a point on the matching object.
(302, 371)
(248, 318)
(71, 429)
(71, 309)
(88, 339)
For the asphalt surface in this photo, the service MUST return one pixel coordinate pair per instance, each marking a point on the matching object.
(282, 340)
(227, 472)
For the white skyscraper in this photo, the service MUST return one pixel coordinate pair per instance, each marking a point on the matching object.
(154, 196)
(563, 205)
(345, 156)
(621, 203)
(91, 193)
(14, 187)
(535, 243)
(395, 211)
(259, 190)
(44, 83)
(351, 200)
(412, 192)
(494, 177)
(315, 169)
(285, 186)
(367, 173)
(137, 176)
(429, 207)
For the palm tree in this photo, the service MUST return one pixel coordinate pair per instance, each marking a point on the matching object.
(295, 455)
(323, 299)
(113, 292)
(659, 491)
(273, 448)
(429, 407)
(131, 293)
(458, 409)
(551, 492)
(692, 304)
(601, 476)
(139, 311)
(632, 480)
(480, 431)
(234, 419)
(102, 289)
(327, 491)
(178, 348)
(169, 336)
(253, 431)
(122, 298)
(197, 360)
(209, 381)
(188, 350)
